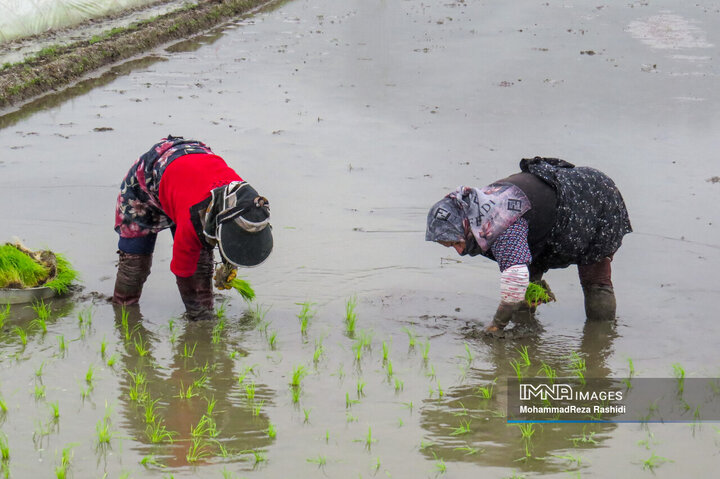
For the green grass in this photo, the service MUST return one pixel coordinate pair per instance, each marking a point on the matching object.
(679, 374)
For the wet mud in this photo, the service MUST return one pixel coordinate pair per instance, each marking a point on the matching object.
(354, 117)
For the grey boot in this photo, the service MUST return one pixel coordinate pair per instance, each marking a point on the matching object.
(518, 313)
(599, 302)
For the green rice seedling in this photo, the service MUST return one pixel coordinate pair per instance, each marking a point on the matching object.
(125, 323)
(85, 316)
(305, 315)
(61, 470)
(250, 391)
(158, 433)
(321, 461)
(62, 345)
(4, 448)
(90, 375)
(440, 465)
(535, 294)
(39, 323)
(186, 393)
(486, 392)
(243, 287)
(524, 355)
(221, 311)
(577, 364)
(463, 428)
(385, 351)
(141, 346)
(197, 450)
(412, 338)
(39, 391)
(369, 439)
(55, 410)
(272, 340)
(42, 311)
(349, 402)
(389, 368)
(318, 352)
(654, 461)
(188, 352)
(201, 382)
(350, 315)
(430, 373)
(39, 370)
(527, 430)
(679, 374)
(469, 356)
(150, 460)
(357, 350)
(517, 367)
(570, 458)
(360, 388)
(399, 385)
(3, 407)
(102, 431)
(631, 368)
(547, 371)
(103, 348)
(22, 334)
(306, 413)
(257, 408)
(211, 403)
(469, 451)
(112, 360)
(426, 350)
(462, 412)
(259, 456)
(150, 408)
(4, 314)
(271, 430)
(297, 376)
(295, 394)
(440, 391)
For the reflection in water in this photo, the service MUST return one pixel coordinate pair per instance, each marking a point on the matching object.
(196, 408)
(465, 426)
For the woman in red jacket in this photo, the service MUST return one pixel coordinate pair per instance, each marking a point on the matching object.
(180, 184)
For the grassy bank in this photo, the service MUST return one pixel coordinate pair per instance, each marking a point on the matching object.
(57, 66)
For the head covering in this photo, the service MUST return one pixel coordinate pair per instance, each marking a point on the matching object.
(445, 221)
(238, 220)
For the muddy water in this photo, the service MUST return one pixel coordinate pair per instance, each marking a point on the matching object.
(353, 117)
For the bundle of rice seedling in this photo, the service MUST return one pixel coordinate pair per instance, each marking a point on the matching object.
(244, 288)
(21, 268)
(536, 294)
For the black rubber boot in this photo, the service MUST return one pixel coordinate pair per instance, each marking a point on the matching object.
(133, 270)
(600, 302)
(197, 290)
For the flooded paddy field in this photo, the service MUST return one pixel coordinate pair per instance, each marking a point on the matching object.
(353, 118)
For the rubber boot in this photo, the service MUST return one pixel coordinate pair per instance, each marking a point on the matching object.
(133, 270)
(518, 313)
(196, 291)
(599, 302)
